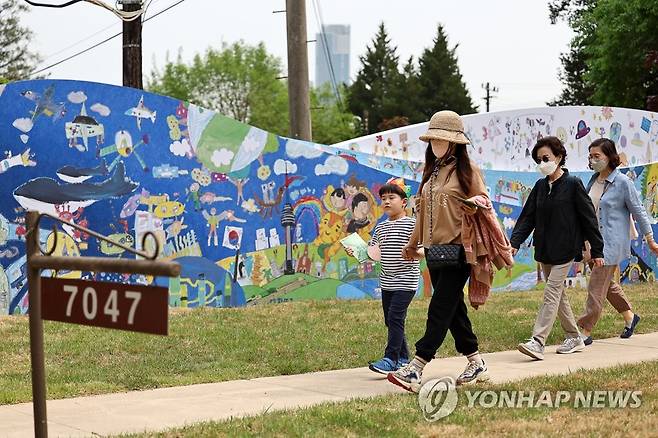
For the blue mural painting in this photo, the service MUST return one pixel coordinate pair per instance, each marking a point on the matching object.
(252, 217)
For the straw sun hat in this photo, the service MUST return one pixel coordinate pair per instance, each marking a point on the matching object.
(446, 125)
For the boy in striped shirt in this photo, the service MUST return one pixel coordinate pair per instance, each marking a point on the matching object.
(398, 277)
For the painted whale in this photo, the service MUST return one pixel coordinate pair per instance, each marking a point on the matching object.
(72, 174)
(43, 194)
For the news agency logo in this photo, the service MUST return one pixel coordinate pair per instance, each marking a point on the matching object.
(438, 398)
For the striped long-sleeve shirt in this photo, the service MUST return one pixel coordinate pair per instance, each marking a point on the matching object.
(396, 273)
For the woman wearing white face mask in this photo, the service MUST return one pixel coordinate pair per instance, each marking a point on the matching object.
(562, 216)
(615, 199)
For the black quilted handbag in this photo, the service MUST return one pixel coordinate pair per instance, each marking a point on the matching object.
(445, 255)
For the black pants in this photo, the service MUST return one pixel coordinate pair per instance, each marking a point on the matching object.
(447, 311)
(395, 304)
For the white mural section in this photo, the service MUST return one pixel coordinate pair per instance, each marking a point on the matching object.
(504, 140)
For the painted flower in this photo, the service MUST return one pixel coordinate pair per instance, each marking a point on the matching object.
(250, 206)
(264, 172)
(202, 176)
(606, 111)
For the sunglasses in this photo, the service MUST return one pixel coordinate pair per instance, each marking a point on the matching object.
(545, 159)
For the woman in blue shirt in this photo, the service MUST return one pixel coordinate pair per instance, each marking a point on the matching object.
(615, 198)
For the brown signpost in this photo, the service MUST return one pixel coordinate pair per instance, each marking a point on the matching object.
(101, 304)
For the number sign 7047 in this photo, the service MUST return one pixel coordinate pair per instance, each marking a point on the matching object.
(103, 304)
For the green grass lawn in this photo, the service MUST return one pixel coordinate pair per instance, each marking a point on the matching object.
(211, 345)
(399, 415)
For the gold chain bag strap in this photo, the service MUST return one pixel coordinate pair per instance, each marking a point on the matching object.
(445, 255)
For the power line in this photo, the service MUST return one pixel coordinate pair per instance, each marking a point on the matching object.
(79, 42)
(75, 54)
(124, 15)
(99, 43)
(50, 5)
(88, 37)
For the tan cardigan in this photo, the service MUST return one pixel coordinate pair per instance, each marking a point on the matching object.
(448, 213)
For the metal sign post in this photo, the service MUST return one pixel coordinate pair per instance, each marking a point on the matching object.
(36, 328)
(94, 303)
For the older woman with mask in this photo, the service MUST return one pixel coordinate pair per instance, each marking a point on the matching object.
(562, 217)
(615, 199)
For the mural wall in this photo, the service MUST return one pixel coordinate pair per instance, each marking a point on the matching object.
(252, 217)
(504, 140)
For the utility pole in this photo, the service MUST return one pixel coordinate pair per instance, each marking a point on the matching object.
(490, 90)
(132, 46)
(299, 104)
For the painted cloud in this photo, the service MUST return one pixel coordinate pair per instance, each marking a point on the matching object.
(77, 96)
(333, 165)
(222, 157)
(101, 109)
(180, 148)
(284, 166)
(297, 148)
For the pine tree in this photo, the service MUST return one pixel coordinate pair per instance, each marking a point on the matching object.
(16, 60)
(441, 82)
(577, 91)
(410, 93)
(373, 94)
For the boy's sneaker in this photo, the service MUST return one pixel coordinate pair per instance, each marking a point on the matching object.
(407, 377)
(571, 345)
(533, 349)
(474, 372)
(402, 362)
(383, 366)
(587, 340)
(628, 331)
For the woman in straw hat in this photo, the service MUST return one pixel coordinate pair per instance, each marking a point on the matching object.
(448, 177)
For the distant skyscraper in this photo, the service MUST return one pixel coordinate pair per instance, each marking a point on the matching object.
(337, 40)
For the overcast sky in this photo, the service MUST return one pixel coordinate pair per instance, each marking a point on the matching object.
(509, 43)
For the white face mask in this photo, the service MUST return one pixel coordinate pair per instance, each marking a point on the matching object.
(547, 168)
(598, 165)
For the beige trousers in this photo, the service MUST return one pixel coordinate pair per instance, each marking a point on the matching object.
(602, 286)
(555, 304)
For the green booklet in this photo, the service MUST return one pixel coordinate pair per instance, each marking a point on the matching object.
(358, 246)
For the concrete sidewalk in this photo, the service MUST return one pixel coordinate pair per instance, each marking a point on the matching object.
(160, 409)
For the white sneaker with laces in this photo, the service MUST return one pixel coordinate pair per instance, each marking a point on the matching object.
(474, 372)
(571, 345)
(407, 377)
(532, 348)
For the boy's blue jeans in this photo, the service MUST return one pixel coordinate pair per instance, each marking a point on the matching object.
(395, 304)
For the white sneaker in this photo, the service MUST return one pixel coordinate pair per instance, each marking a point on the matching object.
(474, 372)
(571, 345)
(533, 349)
(408, 377)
